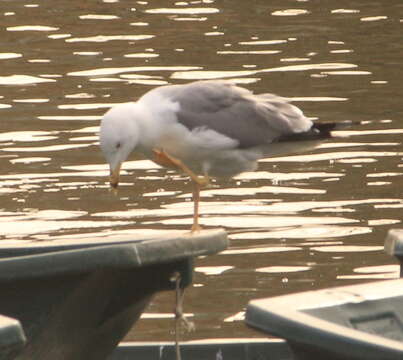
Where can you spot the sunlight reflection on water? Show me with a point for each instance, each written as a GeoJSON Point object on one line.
{"type": "Point", "coordinates": [320, 217]}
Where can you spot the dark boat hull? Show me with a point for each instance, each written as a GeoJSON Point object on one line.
{"type": "Point", "coordinates": [76, 300]}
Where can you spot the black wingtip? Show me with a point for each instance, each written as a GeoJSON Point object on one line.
{"type": "Point", "coordinates": [325, 128]}
{"type": "Point", "coordinates": [319, 131]}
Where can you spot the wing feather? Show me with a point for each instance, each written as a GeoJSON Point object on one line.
{"type": "Point", "coordinates": [252, 120]}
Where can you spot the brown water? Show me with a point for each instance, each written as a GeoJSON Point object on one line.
{"type": "Point", "coordinates": [299, 223]}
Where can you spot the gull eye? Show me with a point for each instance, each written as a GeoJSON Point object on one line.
{"type": "Point", "coordinates": [118, 145]}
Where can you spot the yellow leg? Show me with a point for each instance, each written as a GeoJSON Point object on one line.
{"type": "Point", "coordinates": [196, 199]}
{"type": "Point", "coordinates": [164, 159]}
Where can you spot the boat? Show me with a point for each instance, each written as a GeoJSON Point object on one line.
{"type": "Point", "coordinates": [90, 294]}
{"type": "Point", "coordinates": [356, 322]}
{"type": "Point", "coordinates": [12, 337]}
{"type": "Point", "coordinates": [76, 299]}
{"type": "Point", "coordinates": [206, 349]}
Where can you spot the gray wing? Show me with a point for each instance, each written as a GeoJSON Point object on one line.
{"type": "Point", "coordinates": [250, 119]}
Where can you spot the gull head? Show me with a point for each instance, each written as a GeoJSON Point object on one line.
{"type": "Point", "coordinates": [118, 138]}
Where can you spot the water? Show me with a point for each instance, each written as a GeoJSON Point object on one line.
{"type": "Point", "coordinates": [299, 223]}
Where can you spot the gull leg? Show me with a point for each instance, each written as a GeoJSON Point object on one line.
{"type": "Point", "coordinates": [164, 159]}
{"type": "Point", "coordinates": [203, 181]}
{"type": "Point", "coordinates": [196, 199]}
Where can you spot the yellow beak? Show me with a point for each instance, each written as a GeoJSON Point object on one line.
{"type": "Point", "coordinates": [114, 176]}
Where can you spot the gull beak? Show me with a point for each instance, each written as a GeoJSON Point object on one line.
{"type": "Point", "coordinates": [114, 176]}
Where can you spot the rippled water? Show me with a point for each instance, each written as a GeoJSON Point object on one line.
{"type": "Point", "coordinates": [301, 222]}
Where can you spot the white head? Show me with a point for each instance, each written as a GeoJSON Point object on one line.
{"type": "Point", "coordinates": [119, 136]}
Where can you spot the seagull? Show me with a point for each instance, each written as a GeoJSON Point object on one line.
{"type": "Point", "coordinates": [206, 129]}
